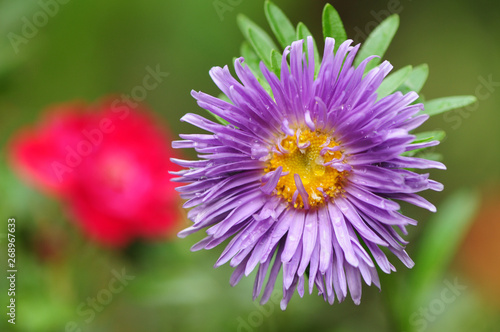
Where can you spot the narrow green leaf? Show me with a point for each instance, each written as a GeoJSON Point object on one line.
{"type": "Point", "coordinates": [333, 26]}
{"type": "Point", "coordinates": [427, 136]}
{"type": "Point", "coordinates": [425, 154]}
{"type": "Point", "coordinates": [393, 81]}
{"type": "Point", "coordinates": [244, 23]}
{"type": "Point", "coordinates": [302, 33]}
{"type": "Point", "coordinates": [276, 62]}
{"type": "Point", "coordinates": [251, 59]}
{"type": "Point", "coordinates": [378, 41]}
{"type": "Point", "coordinates": [260, 46]}
{"type": "Point", "coordinates": [280, 24]}
{"type": "Point", "coordinates": [441, 105]}
{"type": "Point", "coordinates": [257, 37]}
{"type": "Point", "coordinates": [424, 137]}
{"type": "Point", "coordinates": [417, 79]}
{"type": "Point", "coordinates": [439, 243]}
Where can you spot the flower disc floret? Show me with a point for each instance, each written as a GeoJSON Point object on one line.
{"type": "Point", "coordinates": [308, 180]}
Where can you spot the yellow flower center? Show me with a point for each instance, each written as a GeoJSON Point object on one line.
{"type": "Point", "coordinates": [306, 154]}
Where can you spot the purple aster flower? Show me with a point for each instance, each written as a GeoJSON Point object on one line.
{"type": "Point", "coordinates": [303, 176]}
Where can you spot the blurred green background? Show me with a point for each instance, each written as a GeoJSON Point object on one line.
{"type": "Point", "coordinates": [90, 49]}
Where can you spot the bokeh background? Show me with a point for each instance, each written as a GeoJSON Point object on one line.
{"type": "Point", "coordinates": [91, 49]}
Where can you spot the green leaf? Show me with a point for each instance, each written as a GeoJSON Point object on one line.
{"type": "Point", "coordinates": [333, 26]}
{"type": "Point", "coordinates": [244, 23]}
{"type": "Point", "coordinates": [302, 33]}
{"type": "Point", "coordinates": [393, 81]}
{"type": "Point", "coordinates": [280, 24]}
{"type": "Point", "coordinates": [378, 41]}
{"type": "Point", "coordinates": [435, 156]}
{"type": "Point", "coordinates": [427, 136]}
{"type": "Point", "coordinates": [251, 59]}
{"type": "Point", "coordinates": [416, 80]}
{"type": "Point", "coordinates": [260, 46]}
{"type": "Point", "coordinates": [441, 105]}
{"type": "Point", "coordinates": [276, 62]}
{"type": "Point", "coordinates": [439, 243]}
{"type": "Point", "coordinates": [424, 153]}
{"type": "Point", "coordinates": [424, 137]}
{"type": "Point", "coordinates": [258, 38]}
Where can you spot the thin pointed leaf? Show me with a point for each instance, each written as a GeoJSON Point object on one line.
{"type": "Point", "coordinates": [417, 79]}
{"type": "Point", "coordinates": [276, 62]}
{"type": "Point", "coordinates": [378, 41]}
{"type": "Point", "coordinates": [393, 81]}
{"type": "Point", "coordinates": [302, 33]}
{"type": "Point", "coordinates": [427, 136]}
{"type": "Point", "coordinates": [441, 105]}
{"type": "Point", "coordinates": [251, 59]}
{"type": "Point", "coordinates": [333, 26]}
{"type": "Point", "coordinates": [439, 243]}
{"type": "Point", "coordinates": [244, 23]}
{"type": "Point", "coordinates": [280, 24]}
{"type": "Point", "coordinates": [424, 137]}
{"type": "Point", "coordinates": [435, 156]}
{"type": "Point", "coordinates": [258, 38]}
{"type": "Point", "coordinates": [261, 47]}
{"type": "Point", "coordinates": [424, 153]}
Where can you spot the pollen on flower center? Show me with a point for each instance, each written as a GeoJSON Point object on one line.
{"type": "Point", "coordinates": [306, 159]}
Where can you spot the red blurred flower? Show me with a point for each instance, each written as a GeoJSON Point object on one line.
{"type": "Point", "coordinates": [110, 166]}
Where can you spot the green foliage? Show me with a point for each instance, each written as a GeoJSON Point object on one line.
{"type": "Point", "coordinates": [276, 62]}
{"type": "Point", "coordinates": [333, 26]}
{"type": "Point", "coordinates": [429, 155]}
{"type": "Point", "coordinates": [260, 40]}
{"type": "Point", "coordinates": [302, 33]}
{"type": "Point", "coordinates": [280, 24]}
{"type": "Point", "coordinates": [378, 42]}
{"type": "Point", "coordinates": [416, 80]}
{"type": "Point", "coordinates": [260, 47]}
{"type": "Point", "coordinates": [441, 105]}
{"type": "Point", "coordinates": [427, 136]}
{"type": "Point", "coordinates": [424, 137]}
{"type": "Point", "coordinates": [251, 59]}
{"type": "Point", "coordinates": [284, 32]}
{"type": "Point", "coordinates": [393, 81]}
